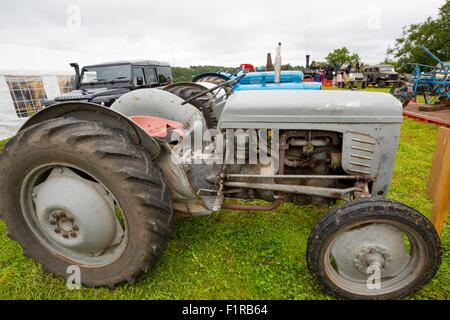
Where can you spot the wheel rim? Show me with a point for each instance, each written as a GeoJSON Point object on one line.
{"type": "Point", "coordinates": [351, 252]}
{"type": "Point", "coordinates": [430, 97]}
{"type": "Point", "coordinates": [73, 214]}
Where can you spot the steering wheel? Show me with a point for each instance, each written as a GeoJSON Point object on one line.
{"type": "Point", "coordinates": [230, 82]}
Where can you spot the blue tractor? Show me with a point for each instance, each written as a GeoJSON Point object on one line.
{"type": "Point", "coordinates": [264, 80]}
{"type": "Point", "coordinates": [289, 80]}
{"type": "Point", "coordinates": [209, 89]}
{"type": "Point", "coordinates": [259, 80]}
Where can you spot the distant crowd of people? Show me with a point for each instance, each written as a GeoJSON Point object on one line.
{"type": "Point", "coordinates": [335, 74]}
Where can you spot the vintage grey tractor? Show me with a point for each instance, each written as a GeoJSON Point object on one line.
{"type": "Point", "coordinates": [98, 187]}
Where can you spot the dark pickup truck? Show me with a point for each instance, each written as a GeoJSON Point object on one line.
{"type": "Point", "coordinates": [104, 83]}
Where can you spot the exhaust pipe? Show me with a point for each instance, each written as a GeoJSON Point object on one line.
{"type": "Point", "coordinates": [278, 64]}
{"type": "Point", "coordinates": [76, 82]}
{"type": "Point", "coordinates": [269, 64]}
{"type": "Point", "coordinates": [307, 61]}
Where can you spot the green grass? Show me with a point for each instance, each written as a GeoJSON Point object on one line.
{"type": "Point", "coordinates": [239, 254]}
{"type": "Point", "coordinates": [366, 89]}
{"type": "Point", "coordinates": [2, 143]}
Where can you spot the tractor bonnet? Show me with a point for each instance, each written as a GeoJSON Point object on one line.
{"type": "Point", "coordinates": [286, 108]}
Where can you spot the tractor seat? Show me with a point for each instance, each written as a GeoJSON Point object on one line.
{"type": "Point", "coordinates": [158, 127]}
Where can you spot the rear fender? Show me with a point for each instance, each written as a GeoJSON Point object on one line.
{"type": "Point", "coordinates": [95, 112]}
{"type": "Point", "coordinates": [210, 74]}
{"type": "Point", "coordinates": [186, 200]}
{"type": "Point", "coordinates": [185, 84]}
{"type": "Point", "coordinates": [161, 104]}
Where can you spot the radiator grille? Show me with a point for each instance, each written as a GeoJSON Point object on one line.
{"type": "Point", "coordinates": [361, 155]}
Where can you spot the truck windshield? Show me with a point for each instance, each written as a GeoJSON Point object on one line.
{"type": "Point", "coordinates": [106, 73]}
{"type": "Point", "coordinates": [387, 69]}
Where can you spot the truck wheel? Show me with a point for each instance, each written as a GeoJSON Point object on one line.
{"type": "Point", "coordinates": [373, 249]}
{"type": "Point", "coordinates": [349, 85]}
{"type": "Point", "coordinates": [202, 103]}
{"type": "Point", "coordinates": [364, 85]}
{"type": "Point", "coordinates": [381, 84]}
{"type": "Point", "coordinates": [77, 193]}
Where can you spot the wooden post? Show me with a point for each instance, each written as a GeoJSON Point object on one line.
{"type": "Point", "coordinates": [439, 181]}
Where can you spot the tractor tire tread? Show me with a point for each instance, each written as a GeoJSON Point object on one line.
{"type": "Point", "coordinates": [130, 165]}
{"type": "Point", "coordinates": [341, 215]}
{"type": "Point", "coordinates": [201, 103]}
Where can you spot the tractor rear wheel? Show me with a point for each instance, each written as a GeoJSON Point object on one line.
{"type": "Point", "coordinates": [212, 79]}
{"type": "Point", "coordinates": [84, 195]}
{"type": "Point", "coordinates": [216, 81]}
{"type": "Point", "coordinates": [373, 249]}
{"type": "Point", "coordinates": [202, 103]}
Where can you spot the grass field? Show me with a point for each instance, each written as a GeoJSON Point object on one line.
{"type": "Point", "coordinates": [240, 254]}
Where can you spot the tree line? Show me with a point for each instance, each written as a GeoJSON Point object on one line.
{"type": "Point", "coordinates": [186, 74]}
{"type": "Point", "coordinates": [434, 34]}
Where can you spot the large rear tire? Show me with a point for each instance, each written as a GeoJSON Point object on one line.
{"type": "Point", "coordinates": [215, 80]}
{"type": "Point", "coordinates": [370, 233]}
{"type": "Point", "coordinates": [212, 79]}
{"type": "Point", "coordinates": [202, 103]}
{"type": "Point", "coordinates": [83, 194]}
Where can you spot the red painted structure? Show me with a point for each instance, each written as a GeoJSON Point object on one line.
{"type": "Point", "coordinates": [426, 119]}
{"type": "Point", "coordinates": [248, 66]}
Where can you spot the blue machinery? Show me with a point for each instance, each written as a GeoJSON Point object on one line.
{"type": "Point", "coordinates": [432, 82]}
{"type": "Point", "coordinates": [289, 80]}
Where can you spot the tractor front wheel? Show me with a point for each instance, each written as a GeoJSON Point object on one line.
{"type": "Point", "coordinates": [77, 193]}
{"type": "Point", "coordinates": [373, 249]}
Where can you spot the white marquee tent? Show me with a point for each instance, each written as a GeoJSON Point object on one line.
{"type": "Point", "coordinates": [24, 68]}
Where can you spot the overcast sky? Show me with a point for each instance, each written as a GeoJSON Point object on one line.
{"type": "Point", "coordinates": [47, 35]}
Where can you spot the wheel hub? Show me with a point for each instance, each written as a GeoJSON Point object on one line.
{"type": "Point", "coordinates": [357, 249]}
{"type": "Point", "coordinates": [372, 255]}
{"type": "Point", "coordinates": [76, 213]}
{"type": "Point", "coordinates": [64, 224]}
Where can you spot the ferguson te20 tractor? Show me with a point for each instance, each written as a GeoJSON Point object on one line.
{"type": "Point", "coordinates": [97, 187]}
